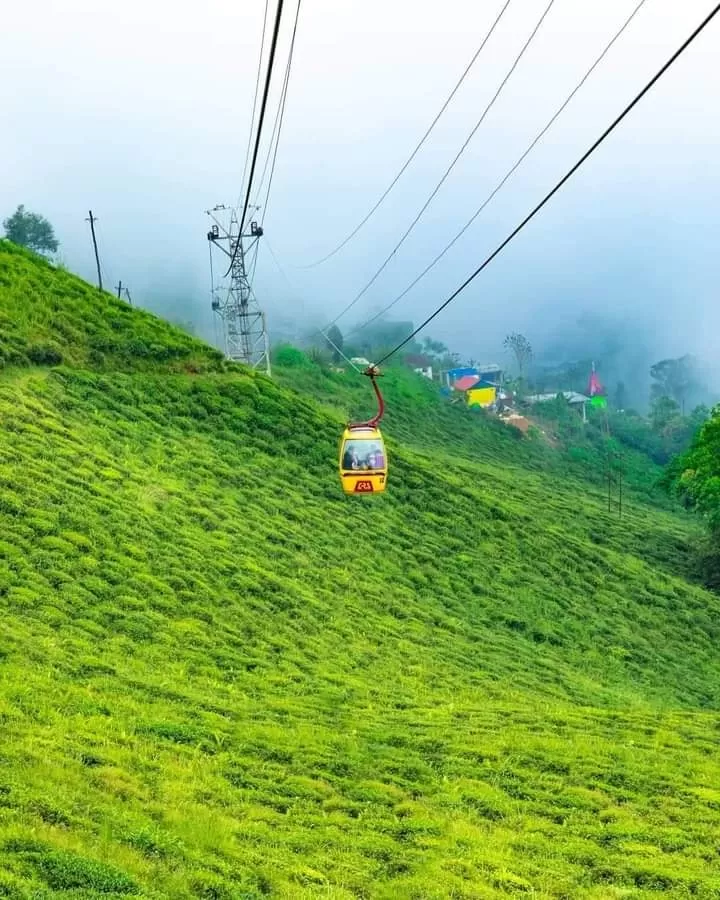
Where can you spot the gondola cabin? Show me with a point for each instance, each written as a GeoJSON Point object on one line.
{"type": "Point", "coordinates": [363, 462]}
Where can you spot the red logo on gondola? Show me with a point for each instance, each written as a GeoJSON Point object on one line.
{"type": "Point", "coordinates": [363, 487]}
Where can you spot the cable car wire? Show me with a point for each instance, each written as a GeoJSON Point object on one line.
{"type": "Point", "coordinates": [257, 91]}
{"type": "Point", "coordinates": [322, 334]}
{"type": "Point", "coordinates": [559, 184]}
{"type": "Point", "coordinates": [279, 118]}
{"type": "Point", "coordinates": [450, 167]}
{"type": "Point", "coordinates": [509, 173]}
{"type": "Point", "coordinates": [277, 128]}
{"type": "Point", "coordinates": [418, 145]}
{"type": "Point", "coordinates": [263, 106]}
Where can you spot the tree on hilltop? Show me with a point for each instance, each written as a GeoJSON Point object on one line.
{"type": "Point", "coordinates": [31, 230]}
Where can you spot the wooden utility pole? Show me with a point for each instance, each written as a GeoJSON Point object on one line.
{"type": "Point", "coordinates": [118, 288]}
{"type": "Point", "coordinates": [92, 220]}
{"type": "Point", "coordinates": [129, 298]}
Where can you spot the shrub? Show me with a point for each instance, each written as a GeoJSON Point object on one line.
{"type": "Point", "coordinates": [45, 354]}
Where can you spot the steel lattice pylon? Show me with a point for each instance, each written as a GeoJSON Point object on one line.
{"type": "Point", "coordinates": [244, 335]}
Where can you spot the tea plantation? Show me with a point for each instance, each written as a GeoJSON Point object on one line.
{"type": "Point", "coordinates": [219, 678]}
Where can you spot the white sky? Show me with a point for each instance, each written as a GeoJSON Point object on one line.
{"type": "Point", "coordinates": [141, 110]}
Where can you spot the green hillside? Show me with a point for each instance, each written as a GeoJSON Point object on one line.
{"type": "Point", "coordinates": [220, 678]}
{"type": "Point", "coordinates": [49, 316]}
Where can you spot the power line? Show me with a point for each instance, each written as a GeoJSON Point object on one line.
{"type": "Point", "coordinates": [557, 187]}
{"type": "Point", "coordinates": [281, 113]}
{"type": "Point", "coordinates": [257, 91]}
{"type": "Point", "coordinates": [263, 106]}
{"type": "Point", "coordinates": [450, 167]}
{"type": "Point", "coordinates": [418, 145]}
{"type": "Point", "coordinates": [508, 174]}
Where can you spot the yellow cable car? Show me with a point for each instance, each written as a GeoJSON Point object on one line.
{"type": "Point", "coordinates": [363, 461]}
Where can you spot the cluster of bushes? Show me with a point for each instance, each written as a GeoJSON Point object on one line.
{"type": "Point", "coordinates": [694, 476]}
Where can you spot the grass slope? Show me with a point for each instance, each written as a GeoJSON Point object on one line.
{"type": "Point", "coordinates": [219, 678]}
{"type": "Point", "coordinates": [49, 316]}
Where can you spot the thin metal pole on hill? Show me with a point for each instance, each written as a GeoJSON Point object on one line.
{"type": "Point", "coordinates": [92, 220]}
{"type": "Point", "coordinates": [119, 288]}
{"type": "Point", "coordinates": [129, 298]}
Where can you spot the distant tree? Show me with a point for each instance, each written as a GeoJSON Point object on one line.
{"type": "Point", "coordinates": [381, 336]}
{"type": "Point", "coordinates": [674, 378]}
{"type": "Point", "coordinates": [663, 411]}
{"type": "Point", "coordinates": [521, 349]}
{"type": "Point", "coordinates": [29, 229]}
{"type": "Point", "coordinates": [620, 395]}
{"type": "Point", "coordinates": [434, 348]}
{"type": "Point", "coordinates": [695, 476]}
{"type": "Point", "coordinates": [335, 342]}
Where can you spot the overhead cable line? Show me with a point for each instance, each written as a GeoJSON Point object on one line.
{"type": "Point", "coordinates": [302, 302]}
{"type": "Point", "coordinates": [450, 167]}
{"type": "Point", "coordinates": [277, 127]}
{"type": "Point", "coordinates": [557, 187]}
{"type": "Point", "coordinates": [257, 91]}
{"type": "Point", "coordinates": [508, 174]}
{"type": "Point", "coordinates": [261, 119]}
{"type": "Point", "coordinates": [418, 145]}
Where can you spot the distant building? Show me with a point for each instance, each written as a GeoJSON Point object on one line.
{"type": "Point", "coordinates": [482, 393]}
{"type": "Point", "coordinates": [478, 391]}
{"type": "Point", "coordinates": [572, 397]}
{"type": "Point", "coordinates": [490, 372]}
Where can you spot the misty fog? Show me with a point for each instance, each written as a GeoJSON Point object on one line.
{"type": "Point", "coordinates": [141, 111]}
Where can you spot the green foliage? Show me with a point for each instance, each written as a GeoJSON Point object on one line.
{"type": "Point", "coordinates": [49, 316]}
{"type": "Point", "coordinates": [31, 230]}
{"type": "Point", "coordinates": [377, 338]}
{"type": "Point", "coordinates": [335, 342]}
{"type": "Point", "coordinates": [696, 474]}
{"type": "Point", "coordinates": [663, 411]}
{"type": "Point", "coordinates": [675, 379]}
{"type": "Point", "coordinates": [290, 357]}
{"type": "Point", "coordinates": [221, 678]}
{"type": "Point", "coordinates": [695, 478]}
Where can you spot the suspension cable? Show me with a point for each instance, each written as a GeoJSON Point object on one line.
{"type": "Point", "coordinates": [319, 331]}
{"type": "Point", "coordinates": [447, 172]}
{"type": "Point", "coordinates": [279, 119]}
{"type": "Point", "coordinates": [418, 145]}
{"type": "Point", "coordinates": [508, 174]}
{"type": "Point", "coordinates": [254, 107]}
{"type": "Point", "coordinates": [263, 106]}
{"type": "Point", "coordinates": [560, 183]}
